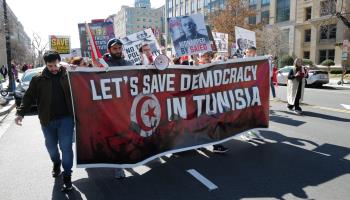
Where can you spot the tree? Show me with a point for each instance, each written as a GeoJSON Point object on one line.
{"type": "Point", "coordinates": [38, 46]}
{"type": "Point", "coordinates": [271, 41]}
{"type": "Point", "coordinates": [234, 14]}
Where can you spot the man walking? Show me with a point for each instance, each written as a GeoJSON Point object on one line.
{"type": "Point", "coordinates": [50, 90]}
{"type": "Point", "coordinates": [115, 58]}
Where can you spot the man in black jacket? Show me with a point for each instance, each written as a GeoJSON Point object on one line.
{"type": "Point", "coordinates": [115, 57]}
{"type": "Point", "coordinates": [51, 91]}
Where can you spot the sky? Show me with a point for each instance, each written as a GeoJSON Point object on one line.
{"type": "Point", "coordinates": [61, 17]}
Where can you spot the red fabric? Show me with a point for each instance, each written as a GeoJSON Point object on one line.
{"type": "Point", "coordinates": [274, 75]}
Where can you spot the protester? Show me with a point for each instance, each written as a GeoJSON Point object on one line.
{"type": "Point", "coordinates": [272, 66]}
{"type": "Point", "coordinates": [79, 61]}
{"type": "Point", "coordinates": [50, 89]}
{"type": "Point", "coordinates": [3, 71]}
{"type": "Point", "coordinates": [114, 58]}
{"type": "Point", "coordinates": [296, 85]}
{"type": "Point", "coordinates": [206, 58]}
{"type": "Point", "coordinates": [250, 52]}
{"type": "Point", "coordinates": [146, 55]}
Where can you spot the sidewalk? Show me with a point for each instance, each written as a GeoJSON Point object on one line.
{"type": "Point", "coordinates": [334, 83]}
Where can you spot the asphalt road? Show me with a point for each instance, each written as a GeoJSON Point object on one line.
{"type": "Point", "coordinates": [298, 157]}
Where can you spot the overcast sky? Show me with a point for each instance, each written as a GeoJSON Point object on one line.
{"type": "Point", "coordinates": [61, 17]}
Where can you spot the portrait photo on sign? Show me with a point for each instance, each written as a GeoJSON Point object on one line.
{"type": "Point", "coordinates": [244, 39]}
{"type": "Point", "coordinates": [189, 35]}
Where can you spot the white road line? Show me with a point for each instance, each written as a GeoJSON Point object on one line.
{"type": "Point", "coordinates": [346, 106]}
{"type": "Point", "coordinates": [202, 179]}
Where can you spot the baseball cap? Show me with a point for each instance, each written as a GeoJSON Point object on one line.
{"type": "Point", "coordinates": [113, 42]}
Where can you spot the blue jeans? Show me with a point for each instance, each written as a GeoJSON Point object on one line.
{"type": "Point", "coordinates": [60, 131]}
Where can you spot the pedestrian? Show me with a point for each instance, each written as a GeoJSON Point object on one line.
{"type": "Point", "coordinates": [79, 61]}
{"type": "Point", "coordinates": [296, 85]}
{"type": "Point", "coordinates": [272, 66]}
{"type": "Point", "coordinates": [3, 71]}
{"type": "Point", "coordinates": [146, 55]}
{"type": "Point", "coordinates": [207, 58]}
{"type": "Point", "coordinates": [114, 58]}
{"type": "Point", "coordinates": [50, 89]}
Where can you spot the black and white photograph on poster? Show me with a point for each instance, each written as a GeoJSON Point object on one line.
{"type": "Point", "coordinates": [244, 39]}
{"type": "Point", "coordinates": [189, 34]}
{"type": "Point", "coordinates": [221, 41]}
{"type": "Point", "coordinates": [133, 42]}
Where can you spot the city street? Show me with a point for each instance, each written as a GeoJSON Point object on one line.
{"type": "Point", "coordinates": [298, 157]}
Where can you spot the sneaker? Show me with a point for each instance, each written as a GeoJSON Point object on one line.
{"type": "Point", "coordinates": [56, 169]}
{"type": "Point", "coordinates": [290, 108]}
{"type": "Point", "coordinates": [219, 149]}
{"type": "Point", "coordinates": [67, 184]}
{"type": "Point", "coordinates": [298, 112]}
{"type": "Point", "coordinates": [119, 173]}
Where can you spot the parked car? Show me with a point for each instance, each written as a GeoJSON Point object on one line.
{"type": "Point", "coordinates": [24, 84]}
{"type": "Point", "coordinates": [316, 77]}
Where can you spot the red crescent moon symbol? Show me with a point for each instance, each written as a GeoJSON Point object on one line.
{"type": "Point", "coordinates": [138, 114]}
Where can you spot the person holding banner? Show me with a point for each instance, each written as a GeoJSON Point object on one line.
{"type": "Point", "coordinates": [206, 58]}
{"type": "Point", "coordinates": [295, 86]}
{"type": "Point", "coordinates": [50, 89]}
{"type": "Point", "coordinates": [115, 57]}
{"type": "Point", "coordinates": [146, 54]}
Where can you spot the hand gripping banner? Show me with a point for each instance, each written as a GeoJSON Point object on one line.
{"type": "Point", "coordinates": [130, 115]}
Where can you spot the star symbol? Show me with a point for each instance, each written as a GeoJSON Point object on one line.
{"type": "Point", "coordinates": [150, 112]}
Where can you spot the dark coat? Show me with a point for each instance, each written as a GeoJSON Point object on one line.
{"type": "Point", "coordinates": [40, 91]}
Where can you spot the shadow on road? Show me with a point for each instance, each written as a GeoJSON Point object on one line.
{"type": "Point", "coordinates": [317, 115]}
{"type": "Point", "coordinates": [276, 166]}
{"type": "Point", "coordinates": [284, 119]}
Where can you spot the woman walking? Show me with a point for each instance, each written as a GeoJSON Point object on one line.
{"type": "Point", "coordinates": [296, 85]}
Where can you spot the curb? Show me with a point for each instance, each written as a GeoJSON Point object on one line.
{"type": "Point", "coordinates": [6, 109]}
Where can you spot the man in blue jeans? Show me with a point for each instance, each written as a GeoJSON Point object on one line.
{"type": "Point", "coordinates": [50, 90]}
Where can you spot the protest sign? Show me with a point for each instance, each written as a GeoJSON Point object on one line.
{"type": "Point", "coordinates": [61, 44]}
{"type": "Point", "coordinates": [221, 41]}
{"type": "Point", "coordinates": [102, 32]}
{"type": "Point", "coordinates": [130, 115]}
{"type": "Point", "coordinates": [133, 42]}
{"type": "Point", "coordinates": [189, 35]}
{"type": "Point", "coordinates": [244, 39]}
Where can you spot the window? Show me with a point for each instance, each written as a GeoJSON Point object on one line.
{"type": "Point", "coordinates": [252, 4]}
{"type": "Point", "coordinates": [199, 4]}
{"type": "Point", "coordinates": [193, 5]}
{"type": "Point", "coordinates": [306, 54]}
{"type": "Point", "coordinates": [328, 32]}
{"type": "Point", "coordinates": [265, 2]}
{"type": "Point", "coordinates": [307, 13]}
{"type": "Point", "coordinates": [282, 10]}
{"type": "Point", "coordinates": [265, 17]}
{"type": "Point", "coordinates": [170, 3]}
{"type": "Point", "coordinates": [328, 7]}
{"type": "Point", "coordinates": [307, 35]}
{"type": "Point", "coordinates": [186, 8]}
{"type": "Point", "coordinates": [326, 54]}
{"type": "Point", "coordinates": [252, 20]}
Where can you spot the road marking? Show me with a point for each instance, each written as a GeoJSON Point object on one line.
{"type": "Point", "coordinates": [202, 179]}
{"type": "Point", "coordinates": [346, 106]}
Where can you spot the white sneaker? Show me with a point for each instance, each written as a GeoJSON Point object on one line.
{"type": "Point", "coordinates": [119, 173]}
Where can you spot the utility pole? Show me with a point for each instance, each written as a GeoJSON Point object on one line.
{"type": "Point", "coordinates": [8, 47]}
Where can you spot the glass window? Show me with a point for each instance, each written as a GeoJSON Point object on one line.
{"type": "Point", "coordinates": [307, 54]}
{"type": "Point", "coordinates": [326, 54]}
{"type": "Point", "coordinates": [252, 20]}
{"type": "Point", "coordinates": [328, 7]}
{"type": "Point", "coordinates": [193, 5]}
{"type": "Point", "coordinates": [186, 8]}
{"type": "Point", "coordinates": [282, 10]}
{"type": "Point", "coordinates": [265, 17]}
{"type": "Point", "coordinates": [252, 4]}
{"type": "Point", "coordinates": [307, 13]}
{"type": "Point", "coordinates": [265, 2]}
{"type": "Point", "coordinates": [170, 3]}
{"type": "Point", "coordinates": [307, 35]}
{"type": "Point", "coordinates": [328, 32]}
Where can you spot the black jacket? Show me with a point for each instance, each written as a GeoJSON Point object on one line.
{"type": "Point", "coordinates": [40, 90]}
{"type": "Point", "coordinates": [111, 61]}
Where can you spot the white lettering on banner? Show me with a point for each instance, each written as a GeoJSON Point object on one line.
{"type": "Point", "coordinates": [158, 83]}
{"type": "Point", "coordinates": [225, 101]}
{"type": "Point", "coordinates": [116, 82]}
{"type": "Point", "coordinates": [94, 93]}
{"type": "Point", "coordinates": [105, 89]}
{"type": "Point", "coordinates": [213, 78]}
{"type": "Point", "coordinates": [133, 86]}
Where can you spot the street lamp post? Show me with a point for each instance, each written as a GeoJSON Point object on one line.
{"type": "Point", "coordinates": [8, 47]}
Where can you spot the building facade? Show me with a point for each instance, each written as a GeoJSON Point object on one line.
{"type": "Point", "coordinates": [20, 41]}
{"type": "Point", "coordinates": [130, 20]}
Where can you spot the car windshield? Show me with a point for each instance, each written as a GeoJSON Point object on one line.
{"type": "Point", "coordinates": [27, 77]}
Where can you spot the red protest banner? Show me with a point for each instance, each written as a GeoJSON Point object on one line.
{"type": "Point", "coordinates": [130, 115]}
